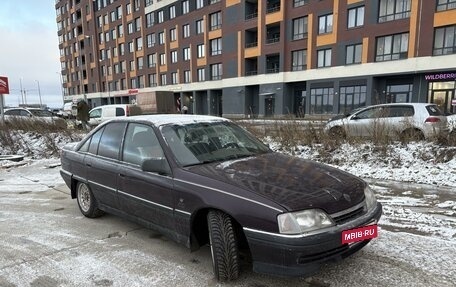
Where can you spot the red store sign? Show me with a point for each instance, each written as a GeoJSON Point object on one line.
{"type": "Point", "coordinates": [4, 88]}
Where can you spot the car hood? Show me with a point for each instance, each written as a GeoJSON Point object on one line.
{"type": "Point", "coordinates": [292, 182]}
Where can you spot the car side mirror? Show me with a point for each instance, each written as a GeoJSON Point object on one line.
{"type": "Point", "coordinates": [158, 165]}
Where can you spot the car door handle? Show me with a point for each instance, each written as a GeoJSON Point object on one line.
{"type": "Point", "coordinates": [121, 175]}
{"type": "Point", "coordinates": [89, 164]}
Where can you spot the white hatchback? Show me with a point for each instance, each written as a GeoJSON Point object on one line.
{"type": "Point", "coordinates": [420, 120]}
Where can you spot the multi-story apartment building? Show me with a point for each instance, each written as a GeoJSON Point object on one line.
{"type": "Point", "coordinates": [260, 58]}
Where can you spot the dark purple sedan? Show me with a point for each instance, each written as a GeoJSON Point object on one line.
{"type": "Point", "coordinates": [204, 180]}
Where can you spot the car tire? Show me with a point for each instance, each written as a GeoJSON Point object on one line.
{"type": "Point", "coordinates": [412, 135]}
{"type": "Point", "coordinates": [86, 201]}
{"type": "Point", "coordinates": [337, 132]}
{"type": "Point", "coordinates": [224, 246]}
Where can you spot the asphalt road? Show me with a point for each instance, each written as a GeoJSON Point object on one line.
{"type": "Point", "coordinates": [45, 241]}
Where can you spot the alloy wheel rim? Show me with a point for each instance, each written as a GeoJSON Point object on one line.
{"type": "Point", "coordinates": [84, 198]}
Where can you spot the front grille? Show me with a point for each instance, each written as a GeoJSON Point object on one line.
{"type": "Point", "coordinates": [350, 215]}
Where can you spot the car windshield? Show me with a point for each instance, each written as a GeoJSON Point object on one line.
{"type": "Point", "coordinates": [41, 113]}
{"type": "Point", "coordinates": [200, 143]}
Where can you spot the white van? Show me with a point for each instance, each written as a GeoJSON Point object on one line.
{"type": "Point", "coordinates": [100, 114]}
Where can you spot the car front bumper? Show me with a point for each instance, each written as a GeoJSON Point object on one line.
{"type": "Point", "coordinates": [282, 255]}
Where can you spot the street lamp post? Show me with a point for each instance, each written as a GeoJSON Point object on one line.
{"type": "Point", "coordinates": [39, 93]}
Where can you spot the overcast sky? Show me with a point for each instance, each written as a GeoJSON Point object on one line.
{"type": "Point", "coordinates": [29, 51]}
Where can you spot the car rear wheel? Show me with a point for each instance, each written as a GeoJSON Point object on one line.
{"type": "Point", "coordinates": [337, 132]}
{"type": "Point", "coordinates": [412, 135]}
{"type": "Point", "coordinates": [87, 202]}
{"type": "Point", "coordinates": [224, 246]}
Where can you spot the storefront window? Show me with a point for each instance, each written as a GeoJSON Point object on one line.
{"type": "Point", "coordinates": [321, 101]}
{"type": "Point", "coordinates": [441, 94]}
{"type": "Point", "coordinates": [399, 93]}
{"type": "Point", "coordinates": [352, 97]}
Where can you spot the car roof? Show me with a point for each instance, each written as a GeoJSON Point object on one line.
{"type": "Point", "coordinates": [402, 104]}
{"type": "Point", "coordinates": [178, 119]}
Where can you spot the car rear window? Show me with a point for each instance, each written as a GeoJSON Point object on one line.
{"type": "Point", "coordinates": [433, 110]}
{"type": "Point", "coordinates": [120, 112]}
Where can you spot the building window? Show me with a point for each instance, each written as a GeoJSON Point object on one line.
{"type": "Point", "coordinates": [352, 97]}
{"type": "Point", "coordinates": [173, 56]}
{"type": "Point", "coordinates": [216, 20]}
{"type": "Point", "coordinates": [200, 26]}
{"type": "Point", "coordinates": [325, 24]}
{"type": "Point", "coordinates": [392, 47]}
{"type": "Point", "coordinates": [321, 101]}
{"type": "Point", "coordinates": [152, 60]}
{"type": "Point", "coordinates": [148, 3]}
{"type": "Point", "coordinates": [393, 10]}
{"type": "Point", "coordinates": [186, 53]}
{"type": "Point", "coordinates": [214, 1]}
{"type": "Point", "coordinates": [298, 60]}
{"type": "Point", "coordinates": [120, 30]}
{"type": "Point", "coordinates": [130, 28]}
{"type": "Point", "coordinates": [199, 4]}
{"type": "Point", "coordinates": [187, 76]}
{"type": "Point", "coordinates": [299, 28]}
{"type": "Point", "coordinates": [186, 30]}
{"type": "Point", "coordinates": [353, 54]}
{"type": "Point", "coordinates": [324, 58]}
{"type": "Point", "coordinates": [150, 19]}
{"type": "Point", "coordinates": [399, 93]}
{"type": "Point", "coordinates": [443, 5]}
{"type": "Point", "coordinates": [172, 12]}
{"type": "Point", "coordinates": [216, 71]}
{"type": "Point", "coordinates": [131, 47]}
{"type": "Point", "coordinates": [153, 80]}
{"type": "Point", "coordinates": [128, 8]}
{"type": "Point", "coordinates": [200, 51]}
{"type": "Point", "coordinates": [172, 35]}
{"type": "Point", "coordinates": [355, 17]}
{"type": "Point", "coordinates": [161, 38]}
{"type": "Point", "coordinates": [132, 66]}
{"type": "Point", "coordinates": [162, 59]}
{"type": "Point", "coordinates": [140, 61]}
{"type": "Point", "coordinates": [201, 75]}
{"type": "Point", "coordinates": [138, 24]}
{"type": "Point", "coordinates": [216, 46]}
{"type": "Point", "coordinates": [161, 16]}
{"type": "Point", "coordinates": [133, 83]}
{"type": "Point", "coordinates": [174, 78]}
{"type": "Point", "coordinates": [163, 79]}
{"type": "Point", "coordinates": [122, 49]}
{"type": "Point", "coordinates": [298, 3]}
{"type": "Point", "coordinates": [445, 41]}
{"type": "Point", "coordinates": [150, 40]}
{"type": "Point", "coordinates": [139, 44]}
{"type": "Point", "coordinates": [185, 6]}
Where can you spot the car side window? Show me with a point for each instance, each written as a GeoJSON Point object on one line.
{"type": "Point", "coordinates": [94, 141]}
{"type": "Point", "coordinates": [141, 143]}
{"type": "Point", "coordinates": [95, 114]}
{"type": "Point", "coordinates": [367, 114]}
{"type": "Point", "coordinates": [401, 111]}
{"type": "Point", "coordinates": [25, 114]}
{"type": "Point", "coordinates": [120, 112]}
{"type": "Point", "coordinates": [111, 140]}
{"type": "Point", "coordinates": [12, 113]}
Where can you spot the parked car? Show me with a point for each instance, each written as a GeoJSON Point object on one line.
{"type": "Point", "coordinates": [416, 120]}
{"type": "Point", "coordinates": [32, 115]}
{"type": "Point", "coordinates": [204, 180]}
{"type": "Point", "coordinates": [103, 113]}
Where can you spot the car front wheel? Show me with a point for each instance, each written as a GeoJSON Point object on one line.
{"type": "Point", "coordinates": [224, 246]}
{"type": "Point", "coordinates": [87, 202]}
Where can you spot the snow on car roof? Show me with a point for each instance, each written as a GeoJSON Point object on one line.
{"type": "Point", "coordinates": [178, 119]}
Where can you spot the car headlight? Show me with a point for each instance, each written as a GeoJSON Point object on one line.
{"type": "Point", "coordinates": [371, 201]}
{"type": "Point", "coordinates": [303, 221]}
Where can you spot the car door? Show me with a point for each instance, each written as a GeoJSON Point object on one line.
{"type": "Point", "coordinates": [367, 123]}
{"type": "Point", "coordinates": [102, 162]}
{"type": "Point", "coordinates": [95, 117]}
{"type": "Point", "coordinates": [146, 195]}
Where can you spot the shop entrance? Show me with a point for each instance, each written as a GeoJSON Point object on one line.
{"type": "Point", "coordinates": [441, 94]}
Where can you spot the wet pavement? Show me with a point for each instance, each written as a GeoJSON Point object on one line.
{"type": "Point", "coordinates": [47, 242]}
